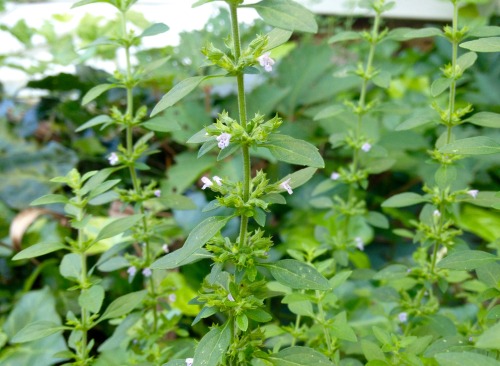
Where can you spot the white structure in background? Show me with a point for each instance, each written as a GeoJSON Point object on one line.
{"type": "Point", "coordinates": [179, 16]}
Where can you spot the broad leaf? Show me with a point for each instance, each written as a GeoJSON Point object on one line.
{"type": "Point", "coordinates": [91, 299]}
{"type": "Point", "coordinates": [329, 112]}
{"type": "Point", "coordinates": [464, 358]}
{"type": "Point", "coordinates": [299, 177]}
{"type": "Point", "coordinates": [202, 233]}
{"type": "Point", "coordinates": [404, 199]}
{"type": "Point", "coordinates": [123, 305]}
{"type": "Point", "coordinates": [299, 356]}
{"type": "Point", "coordinates": [294, 151]}
{"type": "Point", "coordinates": [490, 338]}
{"type": "Point", "coordinates": [277, 37]}
{"type": "Point", "coordinates": [161, 124]}
{"type": "Point", "coordinates": [38, 250]}
{"type": "Point", "coordinates": [37, 330]}
{"type": "Point", "coordinates": [439, 86]}
{"type": "Point", "coordinates": [485, 119]}
{"type": "Point", "coordinates": [491, 44]}
{"type": "Point", "coordinates": [118, 226]}
{"type": "Point", "coordinates": [96, 121]}
{"type": "Point", "coordinates": [480, 145]}
{"type": "Point", "coordinates": [154, 29]}
{"type": "Point", "coordinates": [297, 275]}
{"type": "Point", "coordinates": [286, 14]}
{"type": "Point", "coordinates": [213, 346]}
{"type": "Point", "coordinates": [345, 36]}
{"type": "Point", "coordinates": [96, 91]}
{"type": "Point", "coordinates": [466, 260]}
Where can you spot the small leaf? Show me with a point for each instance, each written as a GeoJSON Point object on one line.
{"type": "Point", "coordinates": [491, 44]}
{"type": "Point", "coordinates": [329, 112]}
{"type": "Point", "coordinates": [299, 356]}
{"type": "Point", "coordinates": [466, 260]}
{"type": "Point", "coordinates": [49, 199]}
{"type": "Point", "coordinates": [96, 91]}
{"type": "Point", "coordinates": [466, 60]}
{"type": "Point", "coordinates": [38, 250]}
{"type": "Point", "coordinates": [439, 86]}
{"type": "Point", "coordinates": [294, 151]}
{"type": "Point", "coordinates": [118, 226]}
{"type": "Point", "coordinates": [213, 346]}
{"type": "Point", "coordinates": [242, 322]}
{"type": "Point", "coordinates": [37, 330]}
{"type": "Point", "coordinates": [490, 339]}
{"type": "Point", "coordinates": [377, 219]}
{"type": "Point", "coordinates": [154, 29]}
{"type": "Point", "coordinates": [464, 358]}
{"type": "Point", "coordinates": [485, 119]}
{"type": "Point", "coordinates": [299, 177]}
{"type": "Point", "coordinates": [161, 124]}
{"type": "Point", "coordinates": [297, 275]}
{"type": "Point", "coordinates": [259, 315]}
{"type": "Point", "coordinates": [480, 145]}
{"type": "Point", "coordinates": [202, 233]}
{"type": "Point", "coordinates": [382, 79]}
{"type": "Point", "coordinates": [71, 267]}
{"type": "Point", "coordinates": [485, 31]}
{"type": "Point", "coordinates": [422, 33]}
{"type": "Point", "coordinates": [96, 121]}
{"type": "Point", "coordinates": [421, 118]}
{"type": "Point", "coordinates": [345, 36]}
{"type": "Point", "coordinates": [286, 14]}
{"type": "Point", "coordinates": [404, 199]}
{"type": "Point", "coordinates": [179, 91]}
{"type": "Point", "coordinates": [177, 202]}
{"type": "Point", "coordinates": [91, 299]}
{"type": "Point", "coordinates": [123, 305]}
{"type": "Point", "coordinates": [277, 37]}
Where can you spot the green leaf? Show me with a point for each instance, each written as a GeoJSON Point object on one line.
{"type": "Point", "coordinates": [485, 119]}
{"type": "Point", "coordinates": [299, 177]}
{"type": "Point", "coordinates": [490, 339]}
{"type": "Point", "coordinates": [341, 329]}
{"type": "Point", "coordinates": [299, 356]}
{"type": "Point", "coordinates": [177, 202]}
{"type": "Point", "coordinates": [277, 37]}
{"type": "Point", "coordinates": [38, 250]}
{"type": "Point", "coordinates": [464, 358]}
{"type": "Point", "coordinates": [445, 176]}
{"type": "Point", "coordinates": [491, 44]}
{"type": "Point", "coordinates": [96, 121]}
{"type": "Point", "coordinates": [339, 279]}
{"type": "Point", "coordinates": [382, 79]}
{"type": "Point", "coordinates": [118, 226]}
{"type": "Point", "coordinates": [421, 118]}
{"type": "Point", "coordinates": [49, 199]}
{"type": "Point", "coordinates": [480, 145]}
{"type": "Point", "coordinates": [286, 14]}
{"type": "Point", "coordinates": [466, 260]}
{"type": "Point", "coordinates": [466, 60]}
{"type": "Point", "coordinates": [161, 124]}
{"type": "Point", "coordinates": [345, 36]}
{"type": "Point", "coordinates": [421, 33]}
{"type": "Point", "coordinates": [123, 305]}
{"type": "Point", "coordinates": [213, 346]}
{"type": "Point", "coordinates": [297, 275]}
{"type": "Point", "coordinates": [294, 151]}
{"type": "Point", "coordinates": [439, 86]}
{"type": "Point", "coordinates": [329, 112]}
{"type": "Point", "coordinates": [91, 299]}
{"type": "Point", "coordinates": [404, 199]}
{"type": "Point", "coordinates": [485, 31]}
{"type": "Point", "coordinates": [71, 266]}
{"type": "Point", "coordinates": [377, 219]}
{"type": "Point", "coordinates": [37, 330]}
{"type": "Point", "coordinates": [96, 91]}
{"type": "Point", "coordinates": [154, 29]}
{"type": "Point", "coordinates": [202, 233]}
{"type": "Point", "coordinates": [372, 351]}
{"type": "Point", "coordinates": [242, 322]}
{"type": "Point", "coordinates": [179, 91]}
{"type": "Point", "coordinates": [259, 315]}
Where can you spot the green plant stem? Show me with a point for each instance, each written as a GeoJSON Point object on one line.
{"type": "Point", "coordinates": [453, 86]}
{"type": "Point", "coordinates": [133, 173]}
{"type": "Point", "coordinates": [243, 120]}
{"type": "Point", "coordinates": [296, 330]}
{"type": "Point", "coordinates": [322, 321]}
{"type": "Point", "coordinates": [83, 285]}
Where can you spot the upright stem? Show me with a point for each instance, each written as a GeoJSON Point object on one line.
{"type": "Point", "coordinates": [243, 120]}
{"type": "Point", "coordinates": [83, 285]}
{"type": "Point", "coordinates": [453, 86]}
{"type": "Point", "coordinates": [322, 318]}
{"type": "Point", "coordinates": [133, 173]}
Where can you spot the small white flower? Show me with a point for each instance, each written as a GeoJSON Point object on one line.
{"type": "Point", "coordinates": [436, 214]}
{"type": "Point", "coordinates": [189, 361]}
{"type": "Point", "coordinates": [157, 193]}
{"type": "Point", "coordinates": [266, 62]}
{"type": "Point", "coordinates": [359, 243]}
{"type": "Point", "coordinates": [164, 247]}
{"type": "Point", "coordinates": [172, 297]}
{"type": "Point", "coordinates": [335, 176]}
{"type": "Point", "coordinates": [230, 297]}
{"type": "Point", "coordinates": [217, 180]}
{"type": "Point", "coordinates": [366, 147]}
{"type": "Point", "coordinates": [473, 193]}
{"type": "Point", "coordinates": [206, 182]}
{"type": "Point", "coordinates": [131, 271]}
{"type": "Point", "coordinates": [471, 339]}
{"type": "Point", "coordinates": [113, 159]}
{"type": "Point", "coordinates": [286, 186]}
{"type": "Point", "coordinates": [147, 272]}
{"type": "Point", "coordinates": [403, 317]}
{"type": "Point", "coordinates": [223, 140]}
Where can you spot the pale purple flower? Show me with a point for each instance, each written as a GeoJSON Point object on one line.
{"type": "Point", "coordinates": [172, 297]}
{"type": "Point", "coordinates": [471, 339]}
{"type": "Point", "coordinates": [223, 140]}
{"type": "Point", "coordinates": [217, 180]}
{"type": "Point", "coordinates": [147, 272]}
{"type": "Point", "coordinates": [335, 176]}
{"type": "Point", "coordinates": [436, 214]}
{"type": "Point", "coordinates": [113, 158]}
{"type": "Point", "coordinates": [230, 297]}
{"type": "Point", "coordinates": [286, 186]}
{"type": "Point", "coordinates": [266, 62]}
{"type": "Point", "coordinates": [366, 147]}
{"type": "Point", "coordinates": [132, 271]}
{"type": "Point", "coordinates": [473, 193]}
{"type": "Point", "coordinates": [206, 182]}
{"type": "Point", "coordinates": [164, 247]}
{"type": "Point", "coordinates": [359, 243]}
{"type": "Point", "coordinates": [403, 317]}
{"type": "Point", "coordinates": [189, 361]}
{"type": "Point", "coordinates": [157, 193]}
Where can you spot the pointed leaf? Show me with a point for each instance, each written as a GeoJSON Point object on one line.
{"type": "Point", "coordinates": [161, 124]}
{"type": "Point", "coordinates": [96, 121]}
{"type": "Point", "coordinates": [294, 151]}
{"type": "Point", "coordinates": [467, 260]}
{"type": "Point", "coordinates": [404, 199]}
{"type": "Point", "coordinates": [297, 275]}
{"type": "Point", "coordinates": [490, 339]}
{"type": "Point", "coordinates": [38, 250]}
{"type": "Point", "coordinates": [123, 305]}
{"type": "Point", "coordinates": [480, 145]}
{"type": "Point", "coordinates": [345, 36]}
{"type": "Point", "coordinates": [154, 29]}
{"type": "Point", "coordinates": [117, 227]}
{"type": "Point", "coordinates": [91, 299]}
{"type": "Point", "coordinates": [213, 346]}
{"type": "Point", "coordinates": [277, 37]}
{"type": "Point", "coordinates": [491, 44]}
{"type": "Point", "coordinates": [37, 330]}
{"type": "Point", "coordinates": [49, 199]}
{"type": "Point", "coordinates": [465, 358]}
{"type": "Point", "coordinates": [96, 91]}
{"type": "Point", "coordinates": [299, 356]}
{"type": "Point", "coordinates": [485, 119]}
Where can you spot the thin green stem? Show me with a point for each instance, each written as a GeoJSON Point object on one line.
{"type": "Point", "coordinates": [453, 86]}
{"type": "Point", "coordinates": [296, 329]}
{"type": "Point", "coordinates": [83, 285]}
{"type": "Point", "coordinates": [136, 184]}
{"type": "Point", "coordinates": [322, 321]}
{"type": "Point", "coordinates": [243, 120]}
